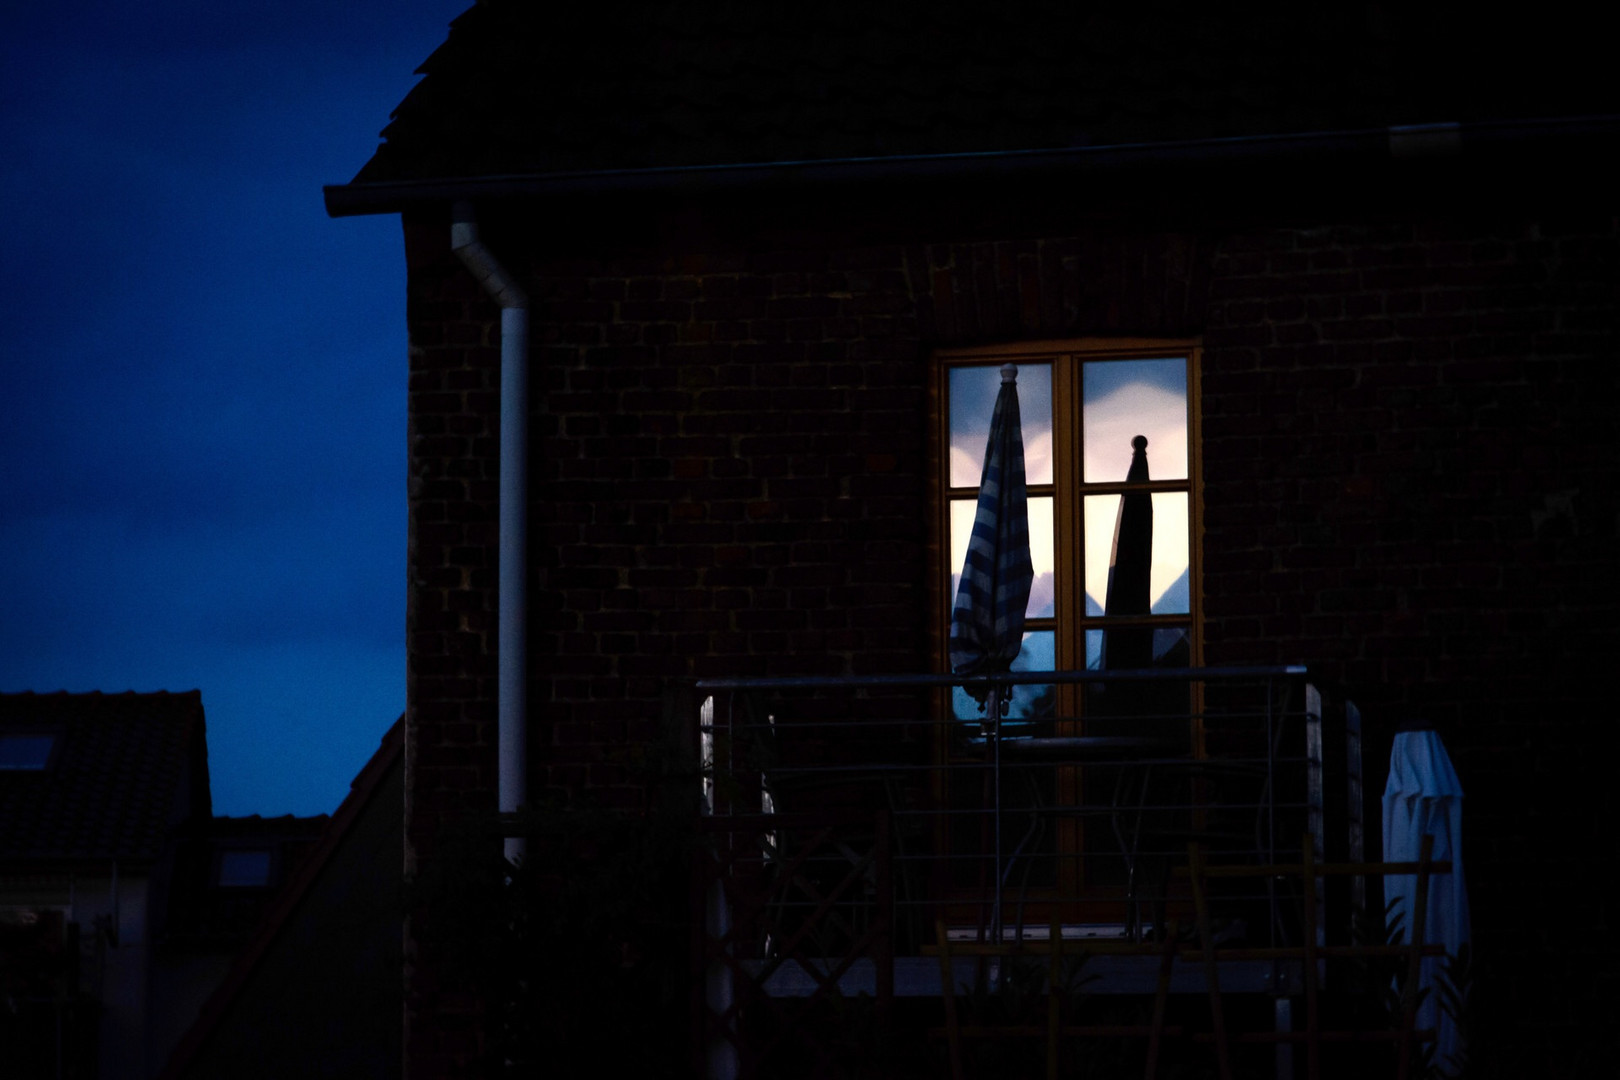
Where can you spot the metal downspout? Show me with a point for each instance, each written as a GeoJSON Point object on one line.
{"type": "Point", "coordinates": [512, 705]}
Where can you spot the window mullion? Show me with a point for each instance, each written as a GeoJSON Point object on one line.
{"type": "Point", "coordinates": [1067, 522]}
{"type": "Point", "coordinates": [1120, 487]}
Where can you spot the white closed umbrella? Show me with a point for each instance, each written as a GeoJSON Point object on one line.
{"type": "Point", "coordinates": [1424, 797]}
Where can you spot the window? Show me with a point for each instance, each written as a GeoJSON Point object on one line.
{"type": "Point", "coordinates": [29, 751]}
{"type": "Point", "coordinates": [1110, 449]}
{"type": "Point", "coordinates": [1097, 493]}
{"type": "Point", "coordinates": [244, 868]}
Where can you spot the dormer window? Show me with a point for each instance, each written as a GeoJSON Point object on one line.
{"type": "Point", "coordinates": [244, 868]}
{"type": "Point", "coordinates": [31, 751]}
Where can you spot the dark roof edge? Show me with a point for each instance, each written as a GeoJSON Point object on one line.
{"type": "Point", "coordinates": [77, 865]}
{"type": "Point", "coordinates": [287, 901]}
{"type": "Point", "coordinates": [1407, 141]}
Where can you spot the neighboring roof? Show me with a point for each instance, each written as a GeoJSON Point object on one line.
{"type": "Point", "coordinates": [527, 89]}
{"type": "Point", "coordinates": [288, 903]}
{"type": "Point", "coordinates": [129, 769]}
{"type": "Point", "coordinates": [202, 914]}
{"type": "Point", "coordinates": [250, 826]}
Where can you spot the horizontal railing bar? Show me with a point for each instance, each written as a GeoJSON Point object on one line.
{"type": "Point", "coordinates": [1294, 870]}
{"type": "Point", "coordinates": [1224, 716]}
{"type": "Point", "coordinates": [803, 727]}
{"type": "Point", "coordinates": [1186, 953]}
{"type": "Point", "coordinates": [791, 723]}
{"type": "Point", "coordinates": [1007, 767]}
{"type": "Point", "coordinates": [1011, 678]}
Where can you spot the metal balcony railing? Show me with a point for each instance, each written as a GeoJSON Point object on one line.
{"type": "Point", "coordinates": [1000, 829]}
{"type": "Point", "coordinates": [1188, 831]}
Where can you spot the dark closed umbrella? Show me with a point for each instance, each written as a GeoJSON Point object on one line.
{"type": "Point", "coordinates": [987, 622]}
{"type": "Point", "coordinates": [1129, 569]}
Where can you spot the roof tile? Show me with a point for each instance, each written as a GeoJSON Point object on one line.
{"type": "Point", "coordinates": [531, 88]}
{"type": "Point", "coordinates": [130, 768]}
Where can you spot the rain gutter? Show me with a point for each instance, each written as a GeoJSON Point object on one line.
{"type": "Point", "coordinates": [512, 698]}
{"type": "Point", "coordinates": [1370, 144]}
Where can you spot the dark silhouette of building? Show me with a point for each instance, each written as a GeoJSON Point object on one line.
{"type": "Point", "coordinates": [96, 793]}
{"type": "Point", "coordinates": [314, 986]}
{"type": "Point", "coordinates": [137, 930]}
{"type": "Point", "coordinates": [750, 246]}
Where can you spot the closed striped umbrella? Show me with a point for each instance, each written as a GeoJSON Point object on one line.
{"type": "Point", "coordinates": [987, 622]}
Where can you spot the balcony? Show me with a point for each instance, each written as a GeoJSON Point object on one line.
{"type": "Point", "coordinates": [1184, 867]}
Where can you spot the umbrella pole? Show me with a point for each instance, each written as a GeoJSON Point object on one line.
{"type": "Point", "coordinates": [993, 704]}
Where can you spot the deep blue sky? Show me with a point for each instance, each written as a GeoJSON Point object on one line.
{"type": "Point", "coordinates": [202, 377]}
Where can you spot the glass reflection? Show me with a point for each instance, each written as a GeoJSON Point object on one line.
{"type": "Point", "coordinates": [1042, 552]}
{"type": "Point", "coordinates": [1028, 702]}
{"type": "Point", "coordinates": [1141, 709]}
{"type": "Point", "coordinates": [1168, 581]}
{"type": "Point", "coordinates": [1125, 398]}
{"type": "Point", "coordinates": [972, 392]}
{"type": "Point", "coordinates": [1172, 648]}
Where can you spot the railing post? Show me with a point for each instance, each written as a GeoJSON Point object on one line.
{"type": "Point", "coordinates": [719, 1051]}
{"type": "Point", "coordinates": [883, 954]}
{"type": "Point", "coordinates": [1355, 803]}
{"type": "Point", "coordinates": [1315, 808]}
{"type": "Point", "coordinates": [1313, 766]}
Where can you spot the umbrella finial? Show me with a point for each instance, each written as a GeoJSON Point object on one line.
{"type": "Point", "coordinates": [1009, 374]}
{"type": "Point", "coordinates": [1138, 472]}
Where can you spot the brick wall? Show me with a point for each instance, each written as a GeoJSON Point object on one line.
{"type": "Point", "coordinates": [1409, 485]}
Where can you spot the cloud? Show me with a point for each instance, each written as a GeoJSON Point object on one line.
{"type": "Point", "coordinates": [967, 456]}
{"type": "Point", "coordinates": [1170, 551]}
{"type": "Point", "coordinates": [1136, 408]}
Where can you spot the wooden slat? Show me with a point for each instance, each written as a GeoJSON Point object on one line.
{"type": "Point", "coordinates": [1161, 999]}
{"type": "Point", "coordinates": [1414, 963]}
{"type": "Point", "coordinates": [947, 989]}
{"type": "Point", "coordinates": [1054, 997]}
{"type": "Point", "coordinates": [1212, 977]}
{"type": "Point", "coordinates": [1313, 1020]}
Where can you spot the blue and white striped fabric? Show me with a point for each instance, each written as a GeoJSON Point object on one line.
{"type": "Point", "coordinates": [987, 622]}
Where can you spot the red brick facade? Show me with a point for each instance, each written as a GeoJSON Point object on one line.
{"type": "Point", "coordinates": [1409, 462]}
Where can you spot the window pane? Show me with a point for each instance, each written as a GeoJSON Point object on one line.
{"type": "Point", "coordinates": [1127, 398]}
{"type": "Point", "coordinates": [1171, 647]}
{"type": "Point", "coordinates": [1168, 586]}
{"type": "Point", "coordinates": [1042, 553]}
{"type": "Point", "coordinates": [26, 753]}
{"type": "Point", "coordinates": [972, 393]}
{"type": "Point", "coordinates": [244, 869]}
{"type": "Point", "coordinates": [1028, 702]}
{"type": "Point", "coordinates": [1145, 709]}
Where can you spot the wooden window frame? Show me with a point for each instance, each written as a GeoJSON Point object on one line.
{"type": "Point", "coordinates": [1069, 621]}
{"type": "Point", "coordinates": [1067, 488]}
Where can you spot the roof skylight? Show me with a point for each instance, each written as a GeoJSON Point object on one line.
{"type": "Point", "coordinates": [26, 752]}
